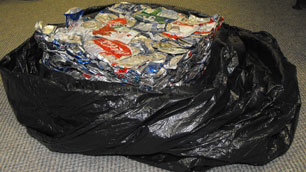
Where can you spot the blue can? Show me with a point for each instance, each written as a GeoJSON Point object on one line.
{"type": "Point", "coordinates": [73, 15]}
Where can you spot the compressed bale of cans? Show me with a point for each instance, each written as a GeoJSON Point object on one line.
{"type": "Point", "coordinates": [132, 44]}
{"type": "Point", "coordinates": [169, 87]}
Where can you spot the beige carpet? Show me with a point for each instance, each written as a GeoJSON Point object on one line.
{"type": "Point", "coordinates": [20, 152]}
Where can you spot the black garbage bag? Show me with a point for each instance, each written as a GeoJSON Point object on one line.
{"type": "Point", "coordinates": [300, 4]}
{"type": "Point", "coordinates": [245, 115]}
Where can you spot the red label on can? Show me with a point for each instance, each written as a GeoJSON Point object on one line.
{"type": "Point", "coordinates": [172, 36]}
{"type": "Point", "coordinates": [106, 30]}
{"type": "Point", "coordinates": [124, 70]}
{"type": "Point", "coordinates": [113, 47]}
{"type": "Point", "coordinates": [117, 21]}
{"type": "Point", "coordinates": [202, 33]}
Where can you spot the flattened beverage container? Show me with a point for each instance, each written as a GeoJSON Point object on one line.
{"type": "Point", "coordinates": [125, 8]}
{"type": "Point", "coordinates": [73, 15]}
{"type": "Point", "coordinates": [170, 14]}
{"type": "Point", "coordinates": [150, 15]}
{"type": "Point", "coordinates": [152, 27]}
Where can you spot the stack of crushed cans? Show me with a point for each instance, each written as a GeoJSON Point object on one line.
{"type": "Point", "coordinates": [133, 44]}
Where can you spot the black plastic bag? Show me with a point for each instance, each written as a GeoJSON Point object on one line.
{"type": "Point", "coordinates": [248, 115]}
{"type": "Point", "coordinates": [300, 4]}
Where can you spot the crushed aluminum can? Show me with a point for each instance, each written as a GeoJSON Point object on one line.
{"type": "Point", "coordinates": [169, 47]}
{"type": "Point", "coordinates": [194, 20]}
{"type": "Point", "coordinates": [113, 47]}
{"type": "Point", "coordinates": [92, 24]}
{"type": "Point", "coordinates": [73, 15]}
{"type": "Point", "coordinates": [152, 27]}
{"type": "Point", "coordinates": [78, 53]}
{"type": "Point", "coordinates": [184, 43]}
{"type": "Point", "coordinates": [150, 15]}
{"type": "Point", "coordinates": [38, 26]}
{"type": "Point", "coordinates": [122, 34]}
{"type": "Point", "coordinates": [153, 68]}
{"type": "Point", "coordinates": [125, 8]}
{"type": "Point", "coordinates": [159, 57]}
{"type": "Point", "coordinates": [117, 22]}
{"type": "Point", "coordinates": [93, 49]}
{"type": "Point", "coordinates": [141, 45]}
{"type": "Point", "coordinates": [161, 73]}
{"type": "Point", "coordinates": [172, 64]}
{"type": "Point", "coordinates": [47, 29]}
{"type": "Point", "coordinates": [170, 14]}
{"type": "Point", "coordinates": [105, 17]}
{"type": "Point", "coordinates": [156, 36]}
{"type": "Point", "coordinates": [180, 30]}
{"type": "Point", "coordinates": [133, 61]}
{"type": "Point", "coordinates": [131, 21]}
{"type": "Point", "coordinates": [67, 37]}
